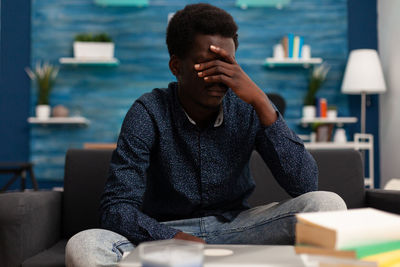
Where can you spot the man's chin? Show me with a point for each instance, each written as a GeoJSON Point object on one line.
{"type": "Point", "coordinates": [213, 102]}
{"type": "Point", "coordinates": [217, 89]}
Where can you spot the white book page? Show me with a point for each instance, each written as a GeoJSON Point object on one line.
{"type": "Point", "coordinates": [357, 226]}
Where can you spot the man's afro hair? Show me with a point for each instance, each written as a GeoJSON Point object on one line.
{"type": "Point", "coordinates": [198, 19]}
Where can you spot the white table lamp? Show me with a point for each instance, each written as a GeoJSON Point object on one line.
{"type": "Point", "coordinates": [363, 75]}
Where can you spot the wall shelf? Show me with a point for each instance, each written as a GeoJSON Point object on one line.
{"type": "Point", "coordinates": [60, 120]}
{"type": "Point", "coordinates": [338, 121]}
{"type": "Point", "coordinates": [137, 3]}
{"type": "Point", "coordinates": [291, 62]}
{"type": "Point", "coordinates": [336, 145]}
{"type": "Point", "coordinates": [113, 62]}
{"type": "Point", "coordinates": [244, 4]}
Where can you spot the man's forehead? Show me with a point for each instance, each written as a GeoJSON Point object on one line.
{"type": "Point", "coordinates": [202, 42]}
{"type": "Point", "coordinates": [204, 55]}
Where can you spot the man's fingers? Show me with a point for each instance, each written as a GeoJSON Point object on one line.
{"type": "Point", "coordinates": [219, 78]}
{"type": "Point", "coordinates": [215, 70]}
{"type": "Point", "coordinates": [210, 64]}
{"type": "Point", "coordinates": [222, 52]}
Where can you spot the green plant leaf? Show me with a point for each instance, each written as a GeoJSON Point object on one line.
{"type": "Point", "coordinates": [44, 75]}
{"type": "Point", "coordinates": [88, 37]}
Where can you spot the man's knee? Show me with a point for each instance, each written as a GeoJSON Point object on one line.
{"type": "Point", "coordinates": [321, 201]}
{"type": "Point", "coordinates": [91, 247]}
{"type": "Point", "coordinates": [79, 246]}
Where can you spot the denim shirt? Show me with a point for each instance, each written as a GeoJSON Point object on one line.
{"type": "Point", "coordinates": [166, 168]}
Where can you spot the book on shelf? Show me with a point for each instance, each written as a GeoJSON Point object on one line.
{"type": "Point", "coordinates": [301, 41]}
{"type": "Point", "coordinates": [347, 228]}
{"type": "Point", "coordinates": [292, 46]}
{"type": "Point", "coordinates": [296, 43]}
{"type": "Point", "coordinates": [285, 44]}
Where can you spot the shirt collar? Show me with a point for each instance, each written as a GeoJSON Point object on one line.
{"type": "Point", "coordinates": [218, 120]}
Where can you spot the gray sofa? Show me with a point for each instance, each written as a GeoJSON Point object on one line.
{"type": "Point", "coordinates": [35, 226]}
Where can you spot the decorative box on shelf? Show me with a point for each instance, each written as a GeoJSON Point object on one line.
{"type": "Point", "coordinates": [291, 62]}
{"type": "Point", "coordinates": [60, 120]}
{"type": "Point", "coordinates": [111, 62]}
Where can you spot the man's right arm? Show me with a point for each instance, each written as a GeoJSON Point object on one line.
{"type": "Point", "coordinates": [126, 185]}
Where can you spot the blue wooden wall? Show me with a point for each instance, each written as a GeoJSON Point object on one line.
{"type": "Point", "coordinates": [14, 84]}
{"type": "Point", "coordinates": [104, 95]}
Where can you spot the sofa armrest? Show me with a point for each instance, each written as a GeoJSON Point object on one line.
{"type": "Point", "coordinates": [387, 200]}
{"type": "Point", "coordinates": [29, 223]}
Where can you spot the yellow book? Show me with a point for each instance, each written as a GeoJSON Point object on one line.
{"type": "Point", "coordinates": [296, 47]}
{"type": "Point", "coordinates": [360, 252]}
{"type": "Point", "coordinates": [386, 259]}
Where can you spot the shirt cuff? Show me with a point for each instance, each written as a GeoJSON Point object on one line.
{"type": "Point", "coordinates": [163, 232]}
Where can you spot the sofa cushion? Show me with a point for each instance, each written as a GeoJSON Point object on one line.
{"type": "Point", "coordinates": [340, 171]}
{"type": "Point", "coordinates": [51, 257]}
{"type": "Point", "coordinates": [29, 223]}
{"type": "Point", "coordinates": [86, 172]}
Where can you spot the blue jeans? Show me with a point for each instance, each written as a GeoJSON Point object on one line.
{"type": "Point", "coordinates": [268, 224]}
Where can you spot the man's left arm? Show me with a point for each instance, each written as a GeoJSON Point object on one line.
{"type": "Point", "coordinates": [283, 151]}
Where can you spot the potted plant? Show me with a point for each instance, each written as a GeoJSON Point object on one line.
{"type": "Point", "coordinates": [89, 46]}
{"type": "Point", "coordinates": [317, 78]}
{"type": "Point", "coordinates": [45, 75]}
{"type": "Point", "coordinates": [332, 112]}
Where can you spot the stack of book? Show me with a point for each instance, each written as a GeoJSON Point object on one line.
{"type": "Point", "coordinates": [321, 107]}
{"type": "Point", "coordinates": [292, 46]}
{"type": "Point", "coordinates": [357, 237]}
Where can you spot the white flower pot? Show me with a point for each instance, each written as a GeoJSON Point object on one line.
{"type": "Point", "coordinates": [332, 114]}
{"type": "Point", "coordinates": [309, 112]}
{"type": "Point", "coordinates": [43, 111]}
{"type": "Point", "coordinates": [93, 50]}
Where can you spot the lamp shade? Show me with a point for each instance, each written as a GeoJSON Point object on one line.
{"type": "Point", "coordinates": [363, 73]}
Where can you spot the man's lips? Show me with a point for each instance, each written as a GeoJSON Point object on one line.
{"type": "Point", "coordinates": [216, 92]}
{"type": "Point", "coordinates": [217, 88]}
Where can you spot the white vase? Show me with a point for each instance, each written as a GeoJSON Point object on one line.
{"type": "Point", "coordinates": [42, 111]}
{"type": "Point", "coordinates": [93, 50]}
{"type": "Point", "coordinates": [340, 136]}
{"type": "Point", "coordinates": [313, 137]}
{"type": "Point", "coordinates": [309, 112]}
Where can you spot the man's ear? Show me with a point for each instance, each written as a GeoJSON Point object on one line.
{"type": "Point", "coordinates": [174, 65]}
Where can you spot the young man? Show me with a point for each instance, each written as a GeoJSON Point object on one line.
{"type": "Point", "coordinates": [181, 170]}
